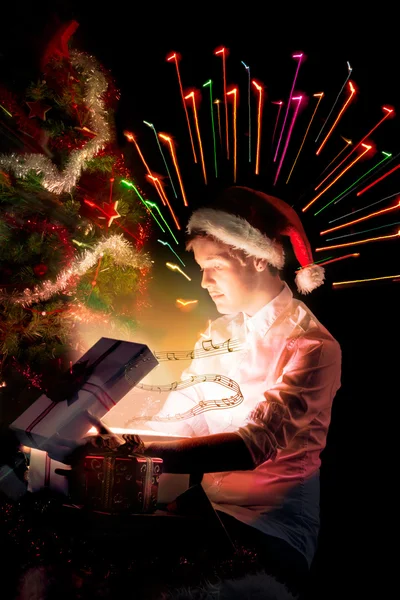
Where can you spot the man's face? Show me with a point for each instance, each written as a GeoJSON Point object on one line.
{"type": "Point", "coordinates": [230, 284]}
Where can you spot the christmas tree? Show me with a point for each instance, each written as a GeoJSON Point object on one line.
{"type": "Point", "coordinates": [71, 235]}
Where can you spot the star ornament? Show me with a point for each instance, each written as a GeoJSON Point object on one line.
{"type": "Point", "coordinates": [38, 109]}
{"type": "Point", "coordinates": [110, 212]}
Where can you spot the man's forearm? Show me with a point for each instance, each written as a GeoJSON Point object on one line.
{"type": "Point", "coordinates": [208, 454]}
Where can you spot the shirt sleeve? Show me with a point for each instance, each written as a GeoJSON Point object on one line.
{"type": "Point", "coordinates": [307, 386]}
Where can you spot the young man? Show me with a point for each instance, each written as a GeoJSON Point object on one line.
{"type": "Point", "coordinates": [260, 458]}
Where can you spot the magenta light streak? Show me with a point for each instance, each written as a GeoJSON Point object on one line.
{"type": "Point", "coordinates": [277, 118]}
{"type": "Point", "coordinates": [299, 56]}
{"type": "Point", "coordinates": [299, 99]}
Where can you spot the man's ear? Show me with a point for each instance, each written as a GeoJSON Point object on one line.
{"type": "Point", "coordinates": [260, 264]}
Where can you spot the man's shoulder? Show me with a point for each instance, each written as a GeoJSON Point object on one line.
{"type": "Point", "coordinates": [308, 326]}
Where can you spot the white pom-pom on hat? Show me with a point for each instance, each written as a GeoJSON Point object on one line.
{"type": "Point", "coordinates": [242, 219]}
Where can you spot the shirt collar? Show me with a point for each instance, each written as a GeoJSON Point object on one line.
{"type": "Point", "coordinates": [265, 317]}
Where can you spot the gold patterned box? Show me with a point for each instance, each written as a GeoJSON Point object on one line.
{"type": "Point", "coordinates": [116, 483]}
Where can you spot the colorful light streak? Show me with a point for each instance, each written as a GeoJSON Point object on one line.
{"type": "Point", "coordinates": [218, 102]}
{"type": "Point", "coordinates": [367, 149]}
{"type": "Point", "coordinates": [174, 267]}
{"type": "Point", "coordinates": [349, 70]}
{"type": "Point", "coordinates": [297, 56]}
{"type": "Point", "coordinates": [340, 237]}
{"type": "Point", "coordinates": [259, 119]}
{"type": "Point", "coordinates": [163, 155]}
{"type": "Point", "coordinates": [222, 51]}
{"type": "Point", "coordinates": [234, 94]}
{"type": "Point", "coordinates": [172, 250]}
{"type": "Point", "coordinates": [185, 302]}
{"type": "Point", "coordinates": [297, 99]}
{"type": "Point", "coordinates": [196, 120]}
{"type": "Point", "coordinates": [248, 103]}
{"type": "Point", "coordinates": [131, 185]}
{"type": "Point", "coordinates": [348, 142]}
{"type": "Point", "coordinates": [174, 57]}
{"type": "Point", "coordinates": [350, 214]}
{"type": "Point", "coordinates": [387, 156]}
{"type": "Point", "coordinates": [370, 216]}
{"type": "Point", "coordinates": [345, 105]}
{"type": "Point", "coordinates": [337, 283]}
{"type": "Point", "coordinates": [209, 83]}
{"type": "Point", "coordinates": [110, 215]}
{"type": "Point", "coordinates": [175, 161]}
{"type": "Point", "coordinates": [154, 205]}
{"type": "Point", "coordinates": [167, 203]}
{"type": "Point", "coordinates": [131, 138]}
{"type": "Point", "coordinates": [378, 180]}
{"type": "Point", "coordinates": [319, 96]}
{"type": "Point", "coordinates": [389, 111]}
{"type": "Point", "coordinates": [332, 260]}
{"type": "Point", "coordinates": [375, 239]}
{"type": "Point", "coordinates": [280, 103]}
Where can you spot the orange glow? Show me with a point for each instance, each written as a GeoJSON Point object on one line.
{"type": "Point", "coordinates": [218, 102]}
{"type": "Point", "coordinates": [234, 93]}
{"type": "Point", "coordinates": [222, 51]}
{"type": "Point", "coordinates": [131, 138]}
{"type": "Point", "coordinates": [159, 186]}
{"type": "Point", "coordinates": [375, 239]}
{"type": "Point", "coordinates": [375, 214]}
{"type": "Point", "coordinates": [173, 155]}
{"type": "Point", "coordinates": [389, 112]}
{"type": "Point", "coordinates": [367, 149]}
{"type": "Point", "coordinates": [332, 260]}
{"type": "Point", "coordinates": [259, 115]}
{"type": "Point", "coordinates": [378, 180]}
{"type": "Point", "coordinates": [345, 105]}
{"type": "Point", "coordinates": [363, 280]}
{"type": "Point", "coordinates": [174, 57]}
{"type": "Point", "coordinates": [191, 95]}
{"type": "Point", "coordinates": [319, 96]}
{"type": "Point", "coordinates": [186, 302]}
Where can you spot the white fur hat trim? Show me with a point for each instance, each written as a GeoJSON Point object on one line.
{"type": "Point", "coordinates": [238, 233]}
{"type": "Point", "coordinates": [309, 278]}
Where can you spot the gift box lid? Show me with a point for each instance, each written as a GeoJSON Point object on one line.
{"type": "Point", "coordinates": [97, 381]}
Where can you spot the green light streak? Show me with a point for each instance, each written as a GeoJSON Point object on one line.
{"type": "Point", "coordinates": [154, 205]}
{"type": "Point", "coordinates": [172, 250]}
{"type": "Point", "coordinates": [130, 184]}
{"type": "Point", "coordinates": [387, 156]}
{"type": "Point", "coordinates": [316, 262]}
{"type": "Point", "coordinates": [162, 154]}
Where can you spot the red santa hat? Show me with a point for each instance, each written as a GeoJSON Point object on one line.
{"type": "Point", "coordinates": [254, 222]}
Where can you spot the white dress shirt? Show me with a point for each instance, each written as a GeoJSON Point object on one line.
{"type": "Point", "coordinates": [288, 372]}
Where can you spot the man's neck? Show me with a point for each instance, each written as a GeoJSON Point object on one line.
{"type": "Point", "coordinates": [265, 296]}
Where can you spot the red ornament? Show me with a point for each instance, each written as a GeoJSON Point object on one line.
{"type": "Point", "coordinates": [37, 109]}
{"type": "Point", "coordinates": [40, 270]}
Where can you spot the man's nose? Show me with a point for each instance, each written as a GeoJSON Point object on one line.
{"type": "Point", "coordinates": [206, 279]}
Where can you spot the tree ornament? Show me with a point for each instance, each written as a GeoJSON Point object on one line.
{"type": "Point", "coordinates": [38, 109]}
{"type": "Point", "coordinates": [40, 270]}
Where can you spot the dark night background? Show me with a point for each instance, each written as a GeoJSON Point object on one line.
{"type": "Point", "coordinates": [133, 43]}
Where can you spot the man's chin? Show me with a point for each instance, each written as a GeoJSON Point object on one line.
{"type": "Point", "coordinates": [222, 308]}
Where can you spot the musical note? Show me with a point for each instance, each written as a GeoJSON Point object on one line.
{"type": "Point", "coordinates": [171, 356]}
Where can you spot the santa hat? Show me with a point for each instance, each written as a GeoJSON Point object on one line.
{"type": "Point", "coordinates": [254, 222]}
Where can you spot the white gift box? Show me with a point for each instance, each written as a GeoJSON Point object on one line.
{"type": "Point", "coordinates": [42, 471]}
{"type": "Point", "coordinates": [108, 371]}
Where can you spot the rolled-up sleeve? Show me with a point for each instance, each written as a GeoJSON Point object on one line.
{"type": "Point", "coordinates": [307, 386]}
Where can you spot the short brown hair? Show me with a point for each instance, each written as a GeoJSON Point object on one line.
{"type": "Point", "coordinates": [237, 253]}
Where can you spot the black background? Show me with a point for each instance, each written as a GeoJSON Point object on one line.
{"type": "Point", "coordinates": [133, 43]}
